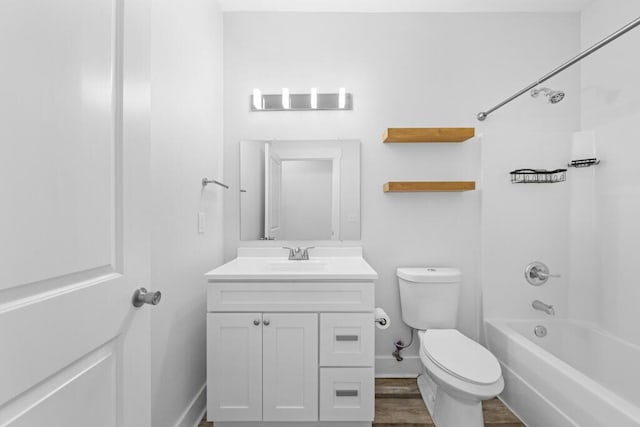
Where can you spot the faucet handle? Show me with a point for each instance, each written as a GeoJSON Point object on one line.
{"type": "Point", "coordinates": [305, 252]}
{"type": "Point", "coordinates": [292, 251]}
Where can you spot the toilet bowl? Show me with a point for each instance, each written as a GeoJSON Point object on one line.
{"type": "Point", "coordinates": [458, 373]}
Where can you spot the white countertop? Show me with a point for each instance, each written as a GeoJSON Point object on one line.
{"type": "Point", "coordinates": [272, 264]}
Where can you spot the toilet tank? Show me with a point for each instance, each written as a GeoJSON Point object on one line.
{"type": "Point", "coordinates": [429, 296]}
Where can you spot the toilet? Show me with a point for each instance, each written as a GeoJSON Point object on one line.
{"type": "Point", "coordinates": [458, 373]}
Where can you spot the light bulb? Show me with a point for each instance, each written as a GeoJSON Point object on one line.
{"type": "Point", "coordinates": [257, 99]}
{"type": "Point", "coordinates": [342, 98]}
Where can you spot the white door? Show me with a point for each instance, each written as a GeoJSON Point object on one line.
{"type": "Point", "coordinates": [234, 366]}
{"type": "Point", "coordinates": [74, 153]}
{"type": "Point", "coordinates": [290, 366]}
{"type": "Point", "coordinates": [272, 194]}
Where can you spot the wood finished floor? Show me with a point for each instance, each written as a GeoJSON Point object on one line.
{"type": "Point", "coordinates": [398, 404]}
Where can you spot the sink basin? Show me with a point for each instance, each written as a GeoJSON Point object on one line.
{"type": "Point", "coordinates": [297, 266]}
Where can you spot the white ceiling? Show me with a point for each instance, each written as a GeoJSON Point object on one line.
{"type": "Point", "coordinates": [404, 5]}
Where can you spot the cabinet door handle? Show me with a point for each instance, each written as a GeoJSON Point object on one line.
{"type": "Point", "coordinates": [346, 393]}
{"type": "Point", "coordinates": [347, 338]}
{"type": "Point", "coordinates": [266, 322]}
{"type": "Point", "coordinates": [256, 322]}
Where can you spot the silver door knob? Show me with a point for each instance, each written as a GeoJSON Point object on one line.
{"type": "Point", "coordinates": [256, 322]}
{"type": "Point", "coordinates": [266, 322]}
{"type": "Point", "coordinates": [142, 296]}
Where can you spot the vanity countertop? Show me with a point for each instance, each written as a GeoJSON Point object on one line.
{"type": "Point", "coordinates": [272, 264]}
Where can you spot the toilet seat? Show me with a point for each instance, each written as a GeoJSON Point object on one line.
{"type": "Point", "coordinates": [460, 356]}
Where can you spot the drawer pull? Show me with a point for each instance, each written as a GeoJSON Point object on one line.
{"type": "Point", "coordinates": [346, 393]}
{"type": "Point", "coordinates": [347, 338]}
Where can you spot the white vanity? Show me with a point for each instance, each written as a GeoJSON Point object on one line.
{"type": "Point", "coordinates": [291, 342]}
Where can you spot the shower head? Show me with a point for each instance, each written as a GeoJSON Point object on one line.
{"type": "Point", "coordinates": [553, 96]}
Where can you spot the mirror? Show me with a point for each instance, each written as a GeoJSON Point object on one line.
{"type": "Point", "coordinates": [300, 190]}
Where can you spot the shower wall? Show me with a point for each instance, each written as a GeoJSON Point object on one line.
{"type": "Point", "coordinates": [522, 223]}
{"type": "Point", "coordinates": [606, 198]}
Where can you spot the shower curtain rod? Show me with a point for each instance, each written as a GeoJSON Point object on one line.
{"type": "Point", "coordinates": [483, 114]}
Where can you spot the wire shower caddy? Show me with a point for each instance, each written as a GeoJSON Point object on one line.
{"type": "Point", "coordinates": [538, 176]}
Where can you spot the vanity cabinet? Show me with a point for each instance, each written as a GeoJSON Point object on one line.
{"type": "Point", "coordinates": [291, 343]}
{"type": "Point", "coordinates": [263, 366]}
{"type": "Point", "coordinates": [309, 363]}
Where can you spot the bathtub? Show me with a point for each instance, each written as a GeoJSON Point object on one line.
{"type": "Point", "coordinates": [576, 375]}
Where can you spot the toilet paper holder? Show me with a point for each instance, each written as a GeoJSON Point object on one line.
{"type": "Point", "coordinates": [381, 318]}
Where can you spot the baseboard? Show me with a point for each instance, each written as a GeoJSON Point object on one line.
{"type": "Point", "coordinates": [194, 412]}
{"type": "Point", "coordinates": [389, 367]}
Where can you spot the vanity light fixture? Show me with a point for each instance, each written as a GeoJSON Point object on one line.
{"type": "Point", "coordinates": [286, 101]}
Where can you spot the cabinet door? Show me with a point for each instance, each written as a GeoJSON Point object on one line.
{"type": "Point", "coordinates": [234, 366]}
{"type": "Point", "coordinates": [290, 358]}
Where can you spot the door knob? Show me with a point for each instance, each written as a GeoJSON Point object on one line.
{"type": "Point", "coordinates": [141, 297]}
{"type": "Point", "coordinates": [266, 322]}
{"type": "Point", "coordinates": [256, 322]}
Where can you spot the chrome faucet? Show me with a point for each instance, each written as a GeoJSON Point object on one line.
{"type": "Point", "coordinates": [298, 254]}
{"type": "Point", "coordinates": [539, 305]}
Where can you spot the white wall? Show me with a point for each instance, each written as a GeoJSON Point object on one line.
{"type": "Point", "coordinates": [611, 111]}
{"type": "Point", "coordinates": [411, 70]}
{"type": "Point", "coordinates": [186, 135]}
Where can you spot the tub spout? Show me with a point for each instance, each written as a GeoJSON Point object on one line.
{"type": "Point", "coordinates": [539, 305]}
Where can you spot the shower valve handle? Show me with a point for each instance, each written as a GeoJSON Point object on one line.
{"type": "Point", "coordinates": [537, 273]}
{"type": "Point", "coordinates": [543, 275]}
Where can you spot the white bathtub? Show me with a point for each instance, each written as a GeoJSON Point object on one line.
{"type": "Point", "coordinates": [577, 375]}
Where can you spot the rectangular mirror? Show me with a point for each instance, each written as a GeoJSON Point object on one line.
{"type": "Point", "coordinates": [300, 190]}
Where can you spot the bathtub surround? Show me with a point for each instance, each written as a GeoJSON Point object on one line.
{"type": "Point", "coordinates": [186, 134]}
{"type": "Point", "coordinates": [610, 194]}
{"type": "Point", "coordinates": [586, 230]}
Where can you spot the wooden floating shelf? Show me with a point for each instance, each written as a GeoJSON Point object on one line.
{"type": "Point", "coordinates": [428, 134]}
{"type": "Point", "coordinates": [414, 186]}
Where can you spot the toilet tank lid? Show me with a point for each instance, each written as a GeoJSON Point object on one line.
{"type": "Point", "coordinates": [429, 274]}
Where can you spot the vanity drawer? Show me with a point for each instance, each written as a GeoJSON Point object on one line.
{"type": "Point", "coordinates": [347, 394]}
{"type": "Point", "coordinates": [290, 296]}
{"type": "Point", "coordinates": [347, 339]}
